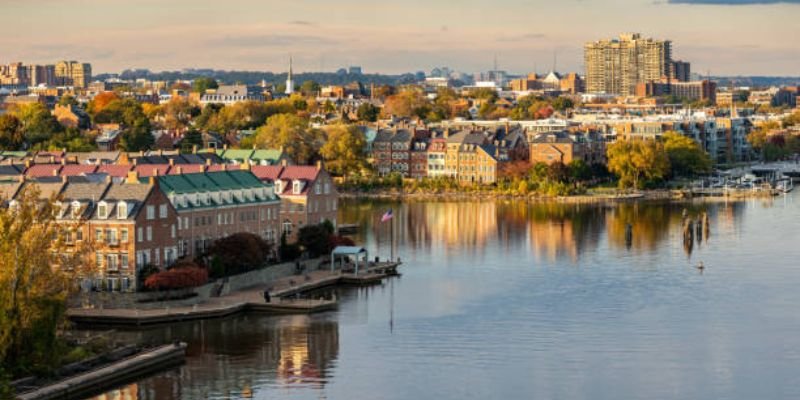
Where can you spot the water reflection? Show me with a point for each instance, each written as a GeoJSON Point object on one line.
{"type": "Point", "coordinates": [550, 230]}
{"type": "Point", "coordinates": [239, 357]}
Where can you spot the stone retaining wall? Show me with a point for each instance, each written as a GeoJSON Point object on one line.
{"type": "Point", "coordinates": [259, 277]}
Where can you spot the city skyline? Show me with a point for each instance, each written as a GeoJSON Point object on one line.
{"type": "Point", "coordinates": [395, 38]}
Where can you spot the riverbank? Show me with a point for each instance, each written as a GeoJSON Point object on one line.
{"type": "Point", "coordinates": [591, 197]}
{"type": "Point", "coordinates": [242, 300]}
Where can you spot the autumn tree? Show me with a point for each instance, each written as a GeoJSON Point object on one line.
{"type": "Point", "coordinates": [638, 162]}
{"type": "Point", "coordinates": [343, 150]}
{"type": "Point", "coordinates": [686, 158]}
{"type": "Point", "coordinates": [238, 253]}
{"type": "Point", "coordinates": [290, 132]}
{"type": "Point", "coordinates": [310, 88]}
{"type": "Point", "coordinates": [10, 132]}
{"type": "Point", "coordinates": [410, 102]}
{"type": "Point", "coordinates": [100, 101]}
{"type": "Point", "coordinates": [178, 113]}
{"type": "Point", "coordinates": [37, 274]}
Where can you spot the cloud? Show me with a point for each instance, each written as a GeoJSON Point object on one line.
{"type": "Point", "coordinates": [733, 2]}
{"type": "Point", "coordinates": [272, 40]}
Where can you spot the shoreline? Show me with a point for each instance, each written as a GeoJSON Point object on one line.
{"type": "Point", "coordinates": [645, 195]}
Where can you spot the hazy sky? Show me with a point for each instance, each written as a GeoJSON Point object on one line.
{"type": "Point", "coordinates": [720, 36]}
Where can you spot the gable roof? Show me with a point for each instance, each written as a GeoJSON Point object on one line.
{"type": "Point", "coordinates": [115, 170]}
{"type": "Point", "coordinates": [78, 169]}
{"type": "Point", "coordinates": [40, 170]}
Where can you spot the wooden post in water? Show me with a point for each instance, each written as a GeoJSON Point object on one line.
{"type": "Point", "coordinates": [628, 235]}
{"type": "Point", "coordinates": [706, 228]}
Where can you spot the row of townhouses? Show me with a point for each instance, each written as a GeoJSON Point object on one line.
{"type": "Point", "coordinates": [155, 220]}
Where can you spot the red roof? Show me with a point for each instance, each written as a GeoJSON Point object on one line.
{"type": "Point", "coordinates": [302, 172]}
{"type": "Point", "coordinates": [40, 170]}
{"type": "Point", "coordinates": [187, 169]}
{"type": "Point", "coordinates": [266, 172]}
{"type": "Point", "coordinates": [222, 167]}
{"type": "Point", "coordinates": [78, 169]}
{"type": "Point", "coordinates": [146, 170]}
{"type": "Point", "coordinates": [115, 170]}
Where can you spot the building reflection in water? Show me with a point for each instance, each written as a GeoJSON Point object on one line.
{"type": "Point", "coordinates": [552, 230]}
{"type": "Point", "coordinates": [292, 353]}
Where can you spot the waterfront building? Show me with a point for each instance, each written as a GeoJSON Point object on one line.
{"type": "Point", "coordinates": [437, 150]}
{"type": "Point", "coordinates": [565, 147]}
{"type": "Point", "coordinates": [616, 66]}
{"type": "Point", "coordinates": [214, 205]}
{"type": "Point", "coordinates": [307, 193]}
{"type": "Point", "coordinates": [392, 150]}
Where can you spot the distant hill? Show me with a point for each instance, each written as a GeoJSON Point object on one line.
{"type": "Point", "coordinates": [756, 81]}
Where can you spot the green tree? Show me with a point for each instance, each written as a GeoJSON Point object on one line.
{"type": "Point", "coordinates": [686, 158]}
{"type": "Point", "coordinates": [562, 103]}
{"type": "Point", "coordinates": [310, 88]}
{"type": "Point", "coordinates": [291, 132]}
{"type": "Point", "coordinates": [71, 139]}
{"type": "Point", "coordinates": [190, 139]}
{"type": "Point", "coordinates": [67, 100]}
{"type": "Point", "coordinates": [758, 136]}
{"type": "Point", "coordinates": [200, 85]}
{"type": "Point", "coordinates": [137, 137]}
{"type": "Point", "coordinates": [343, 150]}
{"type": "Point", "coordinates": [638, 162]}
{"type": "Point", "coordinates": [367, 112]}
{"type": "Point", "coordinates": [36, 122]}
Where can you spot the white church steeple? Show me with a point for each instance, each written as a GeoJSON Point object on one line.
{"type": "Point", "coordinates": [289, 82]}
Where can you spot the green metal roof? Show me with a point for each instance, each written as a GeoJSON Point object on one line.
{"type": "Point", "coordinates": [212, 182]}
{"type": "Point", "coordinates": [237, 154]}
{"type": "Point", "coordinates": [271, 155]}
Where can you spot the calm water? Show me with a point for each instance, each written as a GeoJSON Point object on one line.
{"type": "Point", "coordinates": [512, 300]}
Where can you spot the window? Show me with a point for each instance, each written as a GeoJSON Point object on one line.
{"type": "Point", "coordinates": [151, 212]}
{"type": "Point", "coordinates": [297, 186]}
{"type": "Point", "coordinates": [98, 235]}
{"type": "Point", "coordinates": [122, 210]}
{"type": "Point", "coordinates": [111, 261]}
{"type": "Point", "coordinates": [317, 188]}
{"type": "Point", "coordinates": [79, 235]}
{"type": "Point", "coordinates": [327, 188]}
{"type": "Point", "coordinates": [162, 211]}
{"type": "Point", "coordinates": [139, 235]}
{"type": "Point", "coordinates": [287, 228]}
{"type": "Point", "coordinates": [98, 259]}
{"type": "Point", "coordinates": [102, 210]}
{"type": "Point", "coordinates": [179, 223]}
{"type": "Point", "coordinates": [185, 222]}
{"type": "Point", "coordinates": [149, 233]}
{"type": "Point", "coordinates": [111, 236]}
{"type": "Point", "coordinates": [157, 259]}
{"type": "Point", "coordinates": [123, 260]}
{"type": "Point", "coordinates": [172, 227]}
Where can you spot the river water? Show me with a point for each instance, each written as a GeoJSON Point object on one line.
{"type": "Point", "coordinates": [505, 299]}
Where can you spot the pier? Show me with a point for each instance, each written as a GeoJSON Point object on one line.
{"type": "Point", "coordinates": [281, 292]}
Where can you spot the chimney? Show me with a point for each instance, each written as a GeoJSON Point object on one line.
{"type": "Point", "coordinates": [135, 162]}
{"type": "Point", "coordinates": [155, 171]}
{"type": "Point", "coordinates": [64, 179]}
{"type": "Point", "coordinates": [160, 152]}
{"type": "Point", "coordinates": [283, 162]}
{"type": "Point", "coordinates": [245, 166]}
{"type": "Point", "coordinates": [447, 132]}
{"type": "Point", "coordinates": [180, 170]}
{"type": "Point", "coordinates": [52, 159]}
{"type": "Point", "coordinates": [123, 158]}
{"type": "Point", "coordinates": [141, 153]}
{"type": "Point", "coordinates": [319, 165]}
{"type": "Point", "coordinates": [254, 146]}
{"type": "Point", "coordinates": [208, 162]}
{"type": "Point", "coordinates": [224, 147]}
{"type": "Point", "coordinates": [63, 161]}
{"type": "Point", "coordinates": [55, 172]}
{"type": "Point", "coordinates": [22, 178]}
{"type": "Point", "coordinates": [152, 181]}
{"type": "Point", "coordinates": [109, 178]}
{"type": "Point", "coordinates": [27, 164]}
{"type": "Point", "coordinates": [133, 177]}
{"type": "Point", "coordinates": [194, 149]}
{"type": "Point", "coordinates": [171, 161]}
{"type": "Point", "coordinates": [508, 127]}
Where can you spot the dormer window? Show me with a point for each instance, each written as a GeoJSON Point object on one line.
{"type": "Point", "coordinates": [102, 210]}
{"type": "Point", "coordinates": [76, 208]}
{"type": "Point", "coordinates": [122, 210]}
{"type": "Point", "coordinates": [279, 186]}
{"type": "Point", "coordinates": [297, 187]}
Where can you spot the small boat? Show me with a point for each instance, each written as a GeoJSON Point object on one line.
{"type": "Point", "coordinates": [784, 186]}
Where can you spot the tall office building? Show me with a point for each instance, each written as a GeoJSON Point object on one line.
{"type": "Point", "coordinates": [680, 71]}
{"type": "Point", "coordinates": [616, 66]}
{"type": "Point", "coordinates": [73, 73]}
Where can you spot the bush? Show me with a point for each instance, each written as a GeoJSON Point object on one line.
{"type": "Point", "coordinates": [177, 278]}
{"type": "Point", "coordinates": [315, 239]}
{"type": "Point", "coordinates": [336, 240]}
{"type": "Point", "coordinates": [288, 252]}
{"type": "Point", "coordinates": [237, 253]}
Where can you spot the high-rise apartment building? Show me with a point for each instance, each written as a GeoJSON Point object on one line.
{"type": "Point", "coordinates": [680, 71]}
{"type": "Point", "coordinates": [616, 66]}
{"type": "Point", "coordinates": [73, 73]}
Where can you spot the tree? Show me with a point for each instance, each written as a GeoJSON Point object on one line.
{"type": "Point", "coordinates": [758, 136]}
{"type": "Point", "coordinates": [178, 112]}
{"type": "Point", "coordinates": [562, 103]}
{"type": "Point", "coordinates": [638, 162]}
{"type": "Point", "coordinates": [343, 150]}
{"type": "Point", "coordinates": [238, 253]}
{"type": "Point", "coordinates": [310, 88]}
{"type": "Point", "coordinates": [71, 139]}
{"type": "Point", "coordinates": [291, 132]}
{"type": "Point", "coordinates": [200, 85]}
{"type": "Point", "coordinates": [190, 139]}
{"type": "Point", "coordinates": [10, 132]}
{"type": "Point", "coordinates": [67, 100]}
{"type": "Point", "coordinates": [137, 137]}
{"type": "Point", "coordinates": [37, 273]}
{"type": "Point", "coordinates": [579, 171]}
{"type": "Point", "coordinates": [686, 158]}
{"type": "Point", "coordinates": [36, 122]}
{"type": "Point", "coordinates": [100, 101]}
{"type": "Point", "coordinates": [315, 239]}
{"type": "Point", "coordinates": [366, 112]}
{"type": "Point", "coordinates": [410, 102]}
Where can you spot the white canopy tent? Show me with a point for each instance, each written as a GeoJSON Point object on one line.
{"type": "Point", "coordinates": [349, 251]}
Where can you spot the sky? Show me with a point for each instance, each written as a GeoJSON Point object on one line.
{"type": "Point", "coordinates": [719, 37]}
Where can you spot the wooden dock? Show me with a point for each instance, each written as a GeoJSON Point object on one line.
{"type": "Point", "coordinates": [249, 300]}
{"type": "Point", "coordinates": [109, 376]}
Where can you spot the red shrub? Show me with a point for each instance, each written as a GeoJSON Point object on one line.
{"type": "Point", "coordinates": [177, 278]}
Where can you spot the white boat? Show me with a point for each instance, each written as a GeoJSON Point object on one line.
{"type": "Point", "coordinates": [784, 185]}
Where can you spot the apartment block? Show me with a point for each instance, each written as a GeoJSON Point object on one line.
{"type": "Point", "coordinates": [616, 66]}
